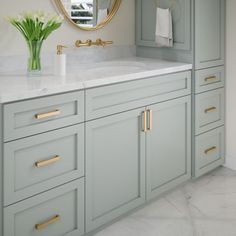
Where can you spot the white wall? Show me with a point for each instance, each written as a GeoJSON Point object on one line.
{"type": "Point", "coordinates": [231, 84]}
{"type": "Point", "coordinates": [121, 29]}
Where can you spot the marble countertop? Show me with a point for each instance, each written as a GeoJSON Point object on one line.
{"type": "Point", "coordinates": [18, 86]}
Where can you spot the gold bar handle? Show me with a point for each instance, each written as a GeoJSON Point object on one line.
{"type": "Point", "coordinates": [210, 78]}
{"type": "Point", "coordinates": [211, 109]}
{"type": "Point", "coordinates": [47, 223]}
{"type": "Point", "coordinates": [150, 120]}
{"type": "Point", "coordinates": [47, 114]}
{"type": "Point", "coordinates": [144, 121]}
{"type": "Point", "coordinates": [209, 150]}
{"type": "Point", "coordinates": [39, 164]}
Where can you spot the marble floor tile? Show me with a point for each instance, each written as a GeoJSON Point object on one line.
{"type": "Point", "coordinates": [204, 207]}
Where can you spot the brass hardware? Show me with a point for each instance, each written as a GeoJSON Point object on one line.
{"type": "Point", "coordinates": [211, 109]}
{"type": "Point", "coordinates": [144, 121]}
{"type": "Point", "coordinates": [150, 120]}
{"type": "Point", "coordinates": [89, 43]}
{"type": "Point", "coordinates": [212, 149]}
{"type": "Point", "coordinates": [39, 164]}
{"type": "Point", "coordinates": [210, 78]}
{"type": "Point", "coordinates": [47, 223]}
{"type": "Point", "coordinates": [60, 49]}
{"type": "Point", "coordinates": [47, 114]}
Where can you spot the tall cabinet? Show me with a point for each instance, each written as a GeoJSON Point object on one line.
{"type": "Point", "coordinates": [199, 38]}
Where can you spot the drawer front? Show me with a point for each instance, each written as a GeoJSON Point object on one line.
{"type": "Point", "coordinates": [113, 99]}
{"type": "Point", "coordinates": [209, 151]}
{"type": "Point", "coordinates": [209, 79]}
{"type": "Point", "coordinates": [41, 162]}
{"type": "Point", "coordinates": [34, 116]}
{"type": "Point", "coordinates": [209, 112]}
{"type": "Point", "coordinates": [57, 212]}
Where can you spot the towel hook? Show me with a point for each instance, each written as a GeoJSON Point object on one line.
{"type": "Point", "coordinates": [172, 4]}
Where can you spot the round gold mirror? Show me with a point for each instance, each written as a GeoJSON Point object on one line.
{"type": "Point", "coordinates": [88, 14]}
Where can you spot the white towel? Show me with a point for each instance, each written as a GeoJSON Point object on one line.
{"type": "Point", "coordinates": [102, 15]}
{"type": "Point", "coordinates": [164, 31]}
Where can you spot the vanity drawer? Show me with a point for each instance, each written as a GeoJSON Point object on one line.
{"type": "Point", "coordinates": [57, 212]}
{"type": "Point", "coordinates": [209, 110]}
{"type": "Point", "coordinates": [209, 151]}
{"type": "Point", "coordinates": [111, 99]}
{"type": "Point", "coordinates": [41, 162]}
{"type": "Point", "coordinates": [209, 79]}
{"type": "Point", "coordinates": [34, 116]}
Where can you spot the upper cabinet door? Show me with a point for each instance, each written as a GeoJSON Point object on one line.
{"type": "Point", "coordinates": [146, 22]}
{"type": "Point", "coordinates": [209, 33]}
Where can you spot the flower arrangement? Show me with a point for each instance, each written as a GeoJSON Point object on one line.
{"type": "Point", "coordinates": [35, 28]}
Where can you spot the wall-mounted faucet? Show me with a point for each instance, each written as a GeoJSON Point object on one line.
{"type": "Point", "coordinates": [89, 43]}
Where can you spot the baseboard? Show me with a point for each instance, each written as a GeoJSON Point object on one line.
{"type": "Point", "coordinates": [230, 162]}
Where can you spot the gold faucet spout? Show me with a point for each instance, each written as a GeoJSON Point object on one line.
{"type": "Point", "coordinates": [89, 43]}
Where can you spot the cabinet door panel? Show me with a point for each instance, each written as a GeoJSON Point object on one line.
{"type": "Point", "coordinates": [209, 33]}
{"type": "Point", "coordinates": [115, 161]}
{"type": "Point", "coordinates": [168, 146]}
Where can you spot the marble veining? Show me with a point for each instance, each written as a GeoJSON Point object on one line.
{"type": "Point", "coordinates": [204, 207]}
{"type": "Point", "coordinates": [17, 86]}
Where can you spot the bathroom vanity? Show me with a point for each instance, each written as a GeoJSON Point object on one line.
{"type": "Point", "coordinates": [77, 155]}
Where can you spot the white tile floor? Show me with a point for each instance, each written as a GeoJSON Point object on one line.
{"type": "Point", "coordinates": [205, 207]}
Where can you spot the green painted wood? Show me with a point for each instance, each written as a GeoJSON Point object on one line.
{"type": "Point", "coordinates": [205, 162]}
{"type": "Point", "coordinates": [209, 33]}
{"type": "Point", "coordinates": [204, 85]}
{"type": "Point", "coordinates": [66, 201]}
{"type": "Point", "coordinates": [169, 146]}
{"type": "Point", "coordinates": [115, 167]}
{"type": "Point", "coordinates": [20, 121]}
{"type": "Point", "coordinates": [23, 179]}
{"type": "Point", "coordinates": [205, 121]}
{"type": "Point", "coordinates": [146, 22]}
{"type": "Point", "coordinates": [113, 99]}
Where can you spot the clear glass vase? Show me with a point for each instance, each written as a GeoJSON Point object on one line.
{"type": "Point", "coordinates": [34, 63]}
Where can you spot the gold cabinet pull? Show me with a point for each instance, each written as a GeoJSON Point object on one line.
{"type": "Point", "coordinates": [150, 120]}
{"type": "Point", "coordinates": [39, 164]}
{"type": "Point", "coordinates": [144, 121]}
{"type": "Point", "coordinates": [209, 150]}
{"type": "Point", "coordinates": [47, 114]}
{"type": "Point", "coordinates": [210, 78]}
{"type": "Point", "coordinates": [211, 109]}
{"type": "Point", "coordinates": [47, 223]}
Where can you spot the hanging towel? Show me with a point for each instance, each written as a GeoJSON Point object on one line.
{"type": "Point", "coordinates": [164, 31]}
{"type": "Point", "coordinates": [102, 15]}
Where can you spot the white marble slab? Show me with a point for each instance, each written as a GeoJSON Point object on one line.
{"type": "Point", "coordinates": [17, 86]}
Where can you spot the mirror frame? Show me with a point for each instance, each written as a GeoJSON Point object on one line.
{"type": "Point", "coordinates": [114, 10]}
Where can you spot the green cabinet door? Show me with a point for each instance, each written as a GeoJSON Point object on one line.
{"type": "Point", "coordinates": [209, 33]}
{"type": "Point", "coordinates": [168, 145]}
{"type": "Point", "coordinates": [115, 166]}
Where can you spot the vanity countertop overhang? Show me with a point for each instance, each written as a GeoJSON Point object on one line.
{"type": "Point", "coordinates": [17, 86]}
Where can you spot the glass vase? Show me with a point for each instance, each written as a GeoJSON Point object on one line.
{"type": "Point", "coordinates": [34, 63]}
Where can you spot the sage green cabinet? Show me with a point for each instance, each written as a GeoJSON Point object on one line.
{"type": "Point", "coordinates": [168, 145]}
{"type": "Point", "coordinates": [115, 167]}
{"type": "Point", "coordinates": [209, 33]}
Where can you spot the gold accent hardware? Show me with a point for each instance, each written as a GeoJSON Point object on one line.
{"type": "Point", "coordinates": [210, 78]}
{"type": "Point", "coordinates": [150, 123]}
{"type": "Point", "coordinates": [211, 109]}
{"type": "Point", "coordinates": [47, 223]}
{"type": "Point", "coordinates": [212, 149]}
{"type": "Point", "coordinates": [39, 164]}
{"type": "Point", "coordinates": [144, 121]}
{"type": "Point", "coordinates": [89, 43]}
{"type": "Point", "coordinates": [47, 114]}
{"type": "Point", "coordinates": [60, 49]}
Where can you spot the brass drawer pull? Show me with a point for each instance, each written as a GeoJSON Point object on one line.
{"type": "Point", "coordinates": [210, 78]}
{"type": "Point", "coordinates": [144, 129]}
{"type": "Point", "coordinates": [211, 109]}
{"type": "Point", "coordinates": [47, 115]}
{"type": "Point", "coordinates": [47, 223]}
{"type": "Point", "coordinates": [39, 164]}
{"type": "Point", "coordinates": [209, 150]}
{"type": "Point", "coordinates": [150, 120]}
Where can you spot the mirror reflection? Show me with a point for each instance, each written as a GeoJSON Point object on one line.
{"type": "Point", "coordinates": [88, 13]}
